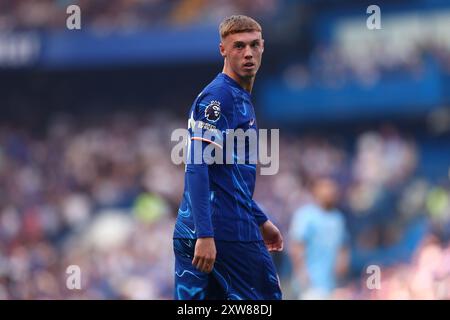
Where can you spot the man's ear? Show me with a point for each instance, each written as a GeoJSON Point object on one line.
{"type": "Point", "coordinates": [222, 50]}
{"type": "Point", "coordinates": [262, 45]}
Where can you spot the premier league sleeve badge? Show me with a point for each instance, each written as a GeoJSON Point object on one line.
{"type": "Point", "coordinates": [212, 111]}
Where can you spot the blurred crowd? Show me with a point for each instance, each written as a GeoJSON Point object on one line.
{"type": "Point", "coordinates": [122, 15]}
{"type": "Point", "coordinates": [408, 46]}
{"type": "Point", "coordinates": [97, 194]}
{"type": "Point", "coordinates": [329, 66]}
{"type": "Point", "coordinates": [425, 277]}
{"type": "Point", "coordinates": [101, 193]}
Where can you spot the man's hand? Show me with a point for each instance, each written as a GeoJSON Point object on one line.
{"type": "Point", "coordinates": [204, 254]}
{"type": "Point", "coordinates": [272, 236]}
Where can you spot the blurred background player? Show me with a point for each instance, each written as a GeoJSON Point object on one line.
{"type": "Point", "coordinates": [318, 250]}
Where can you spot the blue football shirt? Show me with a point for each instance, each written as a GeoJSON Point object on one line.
{"type": "Point", "coordinates": [218, 198]}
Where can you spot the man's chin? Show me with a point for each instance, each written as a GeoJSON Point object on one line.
{"type": "Point", "coordinates": [248, 74]}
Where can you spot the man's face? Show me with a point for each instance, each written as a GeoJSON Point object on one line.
{"type": "Point", "coordinates": [326, 193]}
{"type": "Point", "coordinates": [243, 52]}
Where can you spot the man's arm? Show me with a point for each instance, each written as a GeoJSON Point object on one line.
{"type": "Point", "coordinates": [197, 179]}
{"type": "Point", "coordinates": [272, 236]}
{"type": "Point", "coordinates": [198, 185]}
{"type": "Point", "coordinates": [297, 254]}
{"type": "Point", "coordinates": [342, 263]}
{"type": "Point", "coordinates": [213, 115]}
{"type": "Point", "coordinates": [270, 233]}
{"type": "Point", "coordinates": [260, 216]}
{"type": "Point", "coordinates": [298, 238]}
{"type": "Point", "coordinates": [343, 256]}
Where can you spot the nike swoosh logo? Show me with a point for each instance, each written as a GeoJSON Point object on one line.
{"type": "Point", "coordinates": [185, 227]}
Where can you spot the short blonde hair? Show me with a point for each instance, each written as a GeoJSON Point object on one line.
{"type": "Point", "coordinates": [237, 24]}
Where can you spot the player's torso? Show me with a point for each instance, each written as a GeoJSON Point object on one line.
{"type": "Point", "coordinates": [232, 184]}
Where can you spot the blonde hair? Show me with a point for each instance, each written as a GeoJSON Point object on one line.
{"type": "Point", "coordinates": [237, 24]}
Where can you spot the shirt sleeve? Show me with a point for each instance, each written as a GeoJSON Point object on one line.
{"type": "Point", "coordinates": [259, 215]}
{"type": "Point", "coordinates": [211, 117]}
{"type": "Point", "coordinates": [198, 185]}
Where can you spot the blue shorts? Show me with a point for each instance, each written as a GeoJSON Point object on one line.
{"type": "Point", "coordinates": [242, 271]}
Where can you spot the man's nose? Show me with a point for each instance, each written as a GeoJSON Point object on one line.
{"type": "Point", "coordinates": [248, 53]}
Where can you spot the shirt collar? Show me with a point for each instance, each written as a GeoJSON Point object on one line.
{"type": "Point", "coordinates": [234, 83]}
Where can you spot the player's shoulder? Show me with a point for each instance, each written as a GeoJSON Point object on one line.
{"type": "Point", "coordinates": [307, 211]}
{"type": "Point", "coordinates": [306, 208]}
{"type": "Point", "coordinates": [218, 89]}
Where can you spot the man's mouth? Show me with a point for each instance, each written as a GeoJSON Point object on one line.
{"type": "Point", "coordinates": [249, 65]}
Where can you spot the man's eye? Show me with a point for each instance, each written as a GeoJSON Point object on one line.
{"type": "Point", "coordinates": [255, 45]}
{"type": "Point", "coordinates": [239, 46]}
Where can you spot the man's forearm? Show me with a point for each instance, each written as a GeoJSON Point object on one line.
{"type": "Point", "coordinates": [297, 251]}
{"type": "Point", "coordinates": [198, 186]}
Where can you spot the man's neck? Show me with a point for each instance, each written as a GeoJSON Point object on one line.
{"type": "Point", "coordinates": [326, 207]}
{"type": "Point", "coordinates": [246, 83]}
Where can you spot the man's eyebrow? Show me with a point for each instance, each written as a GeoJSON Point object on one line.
{"type": "Point", "coordinates": [243, 42]}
